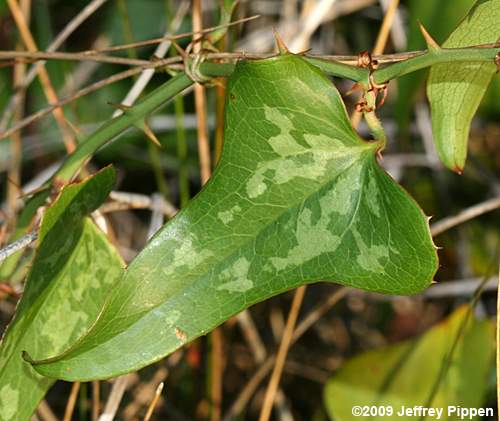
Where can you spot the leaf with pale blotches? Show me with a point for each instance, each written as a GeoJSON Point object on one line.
{"type": "Point", "coordinates": [298, 197]}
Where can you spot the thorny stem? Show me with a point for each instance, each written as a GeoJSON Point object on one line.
{"type": "Point", "coordinates": [178, 83]}
{"type": "Point", "coordinates": [114, 127]}
{"type": "Point", "coordinates": [430, 58]}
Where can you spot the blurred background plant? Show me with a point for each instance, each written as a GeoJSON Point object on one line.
{"type": "Point", "coordinates": [225, 375]}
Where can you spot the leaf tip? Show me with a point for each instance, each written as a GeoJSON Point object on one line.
{"type": "Point", "coordinates": [458, 169]}
{"type": "Point", "coordinates": [432, 45]}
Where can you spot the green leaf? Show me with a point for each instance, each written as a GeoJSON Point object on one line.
{"type": "Point", "coordinates": [297, 197]}
{"type": "Point", "coordinates": [73, 270]}
{"type": "Point", "coordinates": [439, 18]}
{"type": "Point", "coordinates": [406, 374]}
{"type": "Point", "coordinates": [455, 90]}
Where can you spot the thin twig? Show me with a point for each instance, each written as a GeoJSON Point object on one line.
{"type": "Point", "coordinates": [457, 288]}
{"type": "Point", "coordinates": [383, 34]}
{"type": "Point", "coordinates": [200, 104]}
{"type": "Point", "coordinates": [309, 24]}
{"type": "Point", "coordinates": [226, 56]}
{"type": "Point", "coordinates": [115, 397]}
{"type": "Point", "coordinates": [252, 336]}
{"type": "Point", "coordinates": [154, 402]}
{"type": "Point", "coordinates": [82, 92]}
{"type": "Point", "coordinates": [205, 172]}
{"type": "Point", "coordinates": [17, 245]}
{"type": "Point", "coordinates": [120, 201]}
{"type": "Point", "coordinates": [157, 214]}
{"type": "Point", "coordinates": [141, 394]}
{"type": "Point", "coordinates": [70, 406]}
{"type": "Point", "coordinates": [33, 56]}
{"type": "Point", "coordinates": [162, 49]}
{"type": "Point", "coordinates": [176, 63]}
{"type": "Point", "coordinates": [54, 45]}
{"type": "Point", "coordinates": [47, 86]}
{"type": "Point", "coordinates": [126, 200]}
{"type": "Point", "coordinates": [169, 38]}
{"type": "Point", "coordinates": [96, 399]}
{"type": "Point", "coordinates": [286, 341]}
{"type": "Point", "coordinates": [306, 323]}
{"type": "Point", "coordinates": [465, 215]}
{"type": "Point", "coordinates": [45, 412]}
{"type": "Point", "coordinates": [14, 170]}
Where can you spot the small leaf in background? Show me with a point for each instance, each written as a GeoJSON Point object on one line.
{"type": "Point", "coordinates": [297, 197]}
{"type": "Point", "coordinates": [455, 90]}
{"type": "Point", "coordinates": [405, 374]}
{"type": "Point", "coordinates": [439, 18]}
{"type": "Point", "coordinates": [75, 266]}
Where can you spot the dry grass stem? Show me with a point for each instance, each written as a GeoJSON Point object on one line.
{"type": "Point", "coordinates": [286, 341]}
{"type": "Point", "coordinates": [49, 91]}
{"type": "Point", "coordinates": [465, 215]}
{"type": "Point", "coordinates": [154, 402]}
{"type": "Point", "coordinates": [70, 406]}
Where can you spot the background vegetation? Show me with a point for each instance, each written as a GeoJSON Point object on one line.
{"type": "Point", "coordinates": [225, 374]}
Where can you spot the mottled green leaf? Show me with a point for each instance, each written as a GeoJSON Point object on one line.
{"type": "Point", "coordinates": [297, 197]}
{"type": "Point", "coordinates": [455, 90]}
{"type": "Point", "coordinates": [71, 274]}
{"type": "Point", "coordinates": [406, 374]}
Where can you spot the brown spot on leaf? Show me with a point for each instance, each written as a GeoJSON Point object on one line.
{"type": "Point", "coordinates": [181, 335]}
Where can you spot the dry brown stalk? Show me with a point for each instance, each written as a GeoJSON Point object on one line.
{"type": "Point", "coordinates": [49, 91]}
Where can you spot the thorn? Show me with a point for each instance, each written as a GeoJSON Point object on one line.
{"type": "Point", "coordinates": [433, 282]}
{"type": "Point", "coordinates": [179, 49]}
{"type": "Point", "coordinates": [122, 107]}
{"type": "Point", "coordinates": [144, 127]}
{"type": "Point", "coordinates": [432, 45]}
{"type": "Point", "coordinates": [302, 53]}
{"type": "Point", "coordinates": [458, 170]}
{"type": "Point", "coordinates": [282, 48]}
